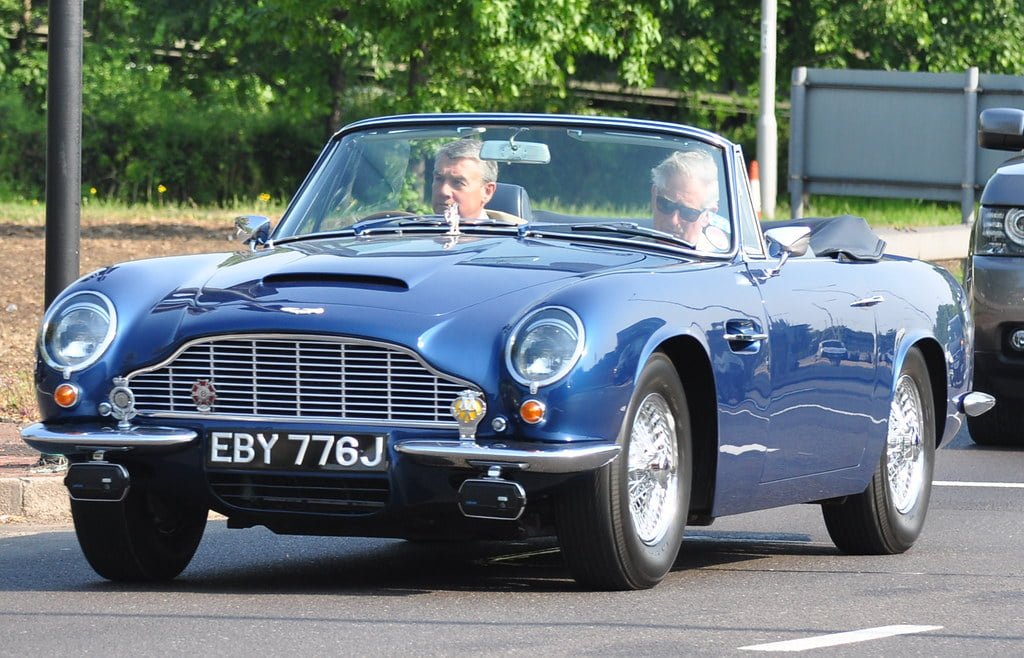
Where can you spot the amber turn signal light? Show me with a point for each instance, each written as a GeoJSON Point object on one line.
{"type": "Point", "coordinates": [532, 411]}
{"type": "Point", "coordinates": [66, 395]}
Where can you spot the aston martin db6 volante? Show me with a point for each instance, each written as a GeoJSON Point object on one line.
{"type": "Point", "coordinates": [497, 326]}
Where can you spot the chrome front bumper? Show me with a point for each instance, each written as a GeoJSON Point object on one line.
{"type": "Point", "coordinates": [547, 459]}
{"type": "Point", "coordinates": [558, 458]}
{"type": "Point", "coordinates": [63, 440]}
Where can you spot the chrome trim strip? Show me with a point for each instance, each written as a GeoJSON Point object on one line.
{"type": "Point", "coordinates": [95, 435]}
{"type": "Point", "coordinates": [549, 459]}
{"type": "Point", "coordinates": [308, 420]}
{"type": "Point", "coordinates": [301, 337]}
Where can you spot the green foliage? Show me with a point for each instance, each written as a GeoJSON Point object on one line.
{"type": "Point", "coordinates": [214, 100]}
{"type": "Point", "coordinates": [22, 147]}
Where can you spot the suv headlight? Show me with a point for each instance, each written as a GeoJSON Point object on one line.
{"type": "Point", "coordinates": [77, 331]}
{"type": "Point", "coordinates": [1000, 231]}
{"type": "Point", "coordinates": [544, 346]}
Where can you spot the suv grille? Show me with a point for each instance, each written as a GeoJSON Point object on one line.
{"type": "Point", "coordinates": [302, 378]}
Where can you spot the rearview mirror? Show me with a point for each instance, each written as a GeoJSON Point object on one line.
{"type": "Point", "coordinates": [515, 151]}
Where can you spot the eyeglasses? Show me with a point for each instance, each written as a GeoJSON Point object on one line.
{"type": "Point", "coordinates": [667, 206]}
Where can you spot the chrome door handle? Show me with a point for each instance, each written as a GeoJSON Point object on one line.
{"type": "Point", "coordinates": [744, 338]}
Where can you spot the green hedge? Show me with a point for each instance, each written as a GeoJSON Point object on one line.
{"type": "Point", "coordinates": [161, 148]}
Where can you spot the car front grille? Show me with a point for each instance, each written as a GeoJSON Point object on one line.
{"type": "Point", "coordinates": [352, 495]}
{"type": "Point", "coordinates": [300, 378]}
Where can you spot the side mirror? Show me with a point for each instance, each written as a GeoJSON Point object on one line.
{"type": "Point", "coordinates": [1001, 128]}
{"type": "Point", "coordinates": [252, 230]}
{"type": "Point", "coordinates": [791, 240]}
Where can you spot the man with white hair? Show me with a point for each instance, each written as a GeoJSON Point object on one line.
{"type": "Point", "coordinates": [684, 199]}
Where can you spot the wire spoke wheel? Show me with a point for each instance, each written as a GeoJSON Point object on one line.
{"type": "Point", "coordinates": [905, 468]}
{"type": "Point", "coordinates": [887, 517]}
{"type": "Point", "coordinates": [620, 528]}
{"type": "Point", "coordinates": [653, 470]}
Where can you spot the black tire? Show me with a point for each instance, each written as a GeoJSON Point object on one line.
{"type": "Point", "coordinates": [605, 544]}
{"type": "Point", "coordinates": [888, 516]}
{"type": "Point", "coordinates": [1000, 426]}
{"type": "Point", "coordinates": [146, 537]}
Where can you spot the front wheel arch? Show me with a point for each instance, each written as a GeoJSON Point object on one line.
{"type": "Point", "coordinates": [694, 369]}
{"type": "Point", "coordinates": [935, 360]}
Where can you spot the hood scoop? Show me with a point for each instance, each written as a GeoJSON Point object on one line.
{"type": "Point", "coordinates": [334, 279]}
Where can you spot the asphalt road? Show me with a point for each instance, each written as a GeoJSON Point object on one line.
{"type": "Point", "coordinates": [739, 586]}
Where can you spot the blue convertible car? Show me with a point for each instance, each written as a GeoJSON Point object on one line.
{"type": "Point", "coordinates": [502, 326]}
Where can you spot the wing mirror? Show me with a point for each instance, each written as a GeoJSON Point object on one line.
{"type": "Point", "coordinates": [253, 230]}
{"type": "Point", "coordinates": [1001, 128]}
{"type": "Point", "coordinates": [791, 241]}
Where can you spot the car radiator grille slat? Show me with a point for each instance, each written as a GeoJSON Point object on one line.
{"type": "Point", "coordinates": [302, 378]}
{"type": "Point", "coordinates": [353, 495]}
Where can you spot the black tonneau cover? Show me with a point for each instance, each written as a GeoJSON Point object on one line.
{"type": "Point", "coordinates": [844, 236]}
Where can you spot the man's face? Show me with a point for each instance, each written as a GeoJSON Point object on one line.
{"type": "Point", "coordinates": [679, 210]}
{"type": "Point", "coordinates": [460, 181]}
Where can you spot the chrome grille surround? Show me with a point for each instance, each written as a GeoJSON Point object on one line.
{"type": "Point", "coordinates": [300, 378]}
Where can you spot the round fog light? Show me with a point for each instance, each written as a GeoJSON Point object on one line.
{"type": "Point", "coordinates": [1017, 340]}
{"type": "Point", "coordinates": [66, 395]}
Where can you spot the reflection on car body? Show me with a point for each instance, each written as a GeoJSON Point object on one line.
{"type": "Point", "coordinates": [369, 367]}
{"type": "Point", "coordinates": [832, 350]}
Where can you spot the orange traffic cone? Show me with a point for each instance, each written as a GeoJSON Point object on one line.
{"type": "Point", "coordinates": [755, 186]}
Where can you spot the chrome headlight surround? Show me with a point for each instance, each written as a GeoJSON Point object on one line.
{"type": "Point", "coordinates": [90, 314]}
{"type": "Point", "coordinates": [1000, 231]}
{"type": "Point", "coordinates": [544, 346]}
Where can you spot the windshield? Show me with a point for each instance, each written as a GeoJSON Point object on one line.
{"type": "Point", "coordinates": [595, 180]}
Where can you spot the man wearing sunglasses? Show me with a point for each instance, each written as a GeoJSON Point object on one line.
{"type": "Point", "coordinates": [684, 199]}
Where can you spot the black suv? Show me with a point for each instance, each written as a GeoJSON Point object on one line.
{"type": "Point", "coordinates": [994, 280]}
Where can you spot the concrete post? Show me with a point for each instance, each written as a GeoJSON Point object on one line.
{"type": "Point", "coordinates": [970, 145]}
{"type": "Point", "coordinates": [767, 128]}
{"type": "Point", "coordinates": [798, 106]}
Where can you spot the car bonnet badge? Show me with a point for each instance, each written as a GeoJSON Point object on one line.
{"type": "Point", "coordinates": [204, 394]}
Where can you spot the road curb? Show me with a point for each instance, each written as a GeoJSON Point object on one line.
{"type": "Point", "coordinates": [38, 499]}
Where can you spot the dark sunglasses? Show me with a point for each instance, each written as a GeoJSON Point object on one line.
{"type": "Point", "coordinates": [667, 207]}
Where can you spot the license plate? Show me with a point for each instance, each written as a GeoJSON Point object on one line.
{"type": "Point", "coordinates": [297, 451]}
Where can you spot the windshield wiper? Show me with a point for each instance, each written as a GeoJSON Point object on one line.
{"type": "Point", "coordinates": [632, 228]}
{"type": "Point", "coordinates": [366, 226]}
{"type": "Point", "coordinates": [399, 219]}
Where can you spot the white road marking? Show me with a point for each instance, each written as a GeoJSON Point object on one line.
{"type": "Point", "coordinates": [836, 639]}
{"type": "Point", "coordinates": [991, 485]}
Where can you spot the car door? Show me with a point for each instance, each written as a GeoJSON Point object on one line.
{"type": "Point", "coordinates": [822, 355]}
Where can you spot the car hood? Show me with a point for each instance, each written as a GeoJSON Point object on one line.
{"type": "Point", "coordinates": [432, 275]}
{"type": "Point", "coordinates": [1003, 189]}
{"type": "Point", "coordinates": [442, 296]}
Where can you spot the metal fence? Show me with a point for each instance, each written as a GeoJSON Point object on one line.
{"type": "Point", "coordinates": [893, 134]}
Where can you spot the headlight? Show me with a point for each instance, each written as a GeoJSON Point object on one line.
{"type": "Point", "coordinates": [544, 346]}
{"type": "Point", "coordinates": [1000, 231]}
{"type": "Point", "coordinates": [77, 330]}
